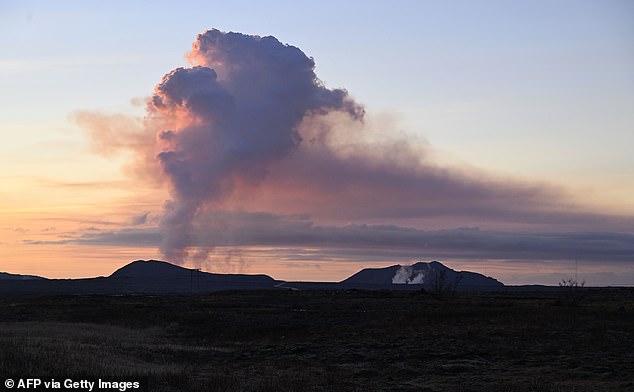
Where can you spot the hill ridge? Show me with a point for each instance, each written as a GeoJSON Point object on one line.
{"type": "Point", "coordinates": [420, 273]}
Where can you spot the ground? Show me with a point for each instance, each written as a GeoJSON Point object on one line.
{"type": "Point", "coordinates": [580, 340]}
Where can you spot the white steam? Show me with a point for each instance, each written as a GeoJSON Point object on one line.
{"type": "Point", "coordinates": [408, 275]}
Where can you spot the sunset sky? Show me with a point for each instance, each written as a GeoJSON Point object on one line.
{"type": "Point", "coordinates": [493, 136]}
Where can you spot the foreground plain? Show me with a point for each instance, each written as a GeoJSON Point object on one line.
{"type": "Point", "coordinates": [328, 340]}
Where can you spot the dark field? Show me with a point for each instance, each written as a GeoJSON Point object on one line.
{"type": "Point", "coordinates": [327, 340]}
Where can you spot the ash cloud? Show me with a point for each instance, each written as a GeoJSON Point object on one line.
{"type": "Point", "coordinates": [228, 118]}
{"type": "Point", "coordinates": [250, 127]}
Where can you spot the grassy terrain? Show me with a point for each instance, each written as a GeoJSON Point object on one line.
{"type": "Point", "coordinates": [327, 341]}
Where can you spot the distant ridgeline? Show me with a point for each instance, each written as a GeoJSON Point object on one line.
{"type": "Point", "coordinates": [143, 276]}
{"type": "Point", "coordinates": [7, 276]}
{"type": "Point", "coordinates": [159, 277]}
{"type": "Point", "coordinates": [422, 275]}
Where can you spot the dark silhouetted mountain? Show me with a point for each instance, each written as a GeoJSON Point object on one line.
{"type": "Point", "coordinates": [159, 277]}
{"type": "Point", "coordinates": [151, 269]}
{"type": "Point", "coordinates": [7, 276]}
{"type": "Point", "coordinates": [141, 276]}
{"type": "Point", "coordinates": [420, 275]}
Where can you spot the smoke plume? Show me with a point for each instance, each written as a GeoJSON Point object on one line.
{"type": "Point", "coordinates": [226, 119]}
{"type": "Point", "coordinates": [250, 129]}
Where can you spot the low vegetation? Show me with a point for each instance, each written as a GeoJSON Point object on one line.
{"type": "Point", "coordinates": [326, 341]}
{"type": "Point", "coordinates": [442, 287]}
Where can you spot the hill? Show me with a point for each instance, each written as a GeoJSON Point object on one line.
{"type": "Point", "coordinates": [420, 275]}
{"type": "Point", "coordinates": [142, 276]}
{"type": "Point", "coordinates": [160, 277]}
{"type": "Point", "coordinates": [8, 276]}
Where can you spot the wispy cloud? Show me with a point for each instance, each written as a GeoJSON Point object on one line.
{"type": "Point", "coordinates": [374, 242]}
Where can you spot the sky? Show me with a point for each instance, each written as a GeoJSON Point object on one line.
{"type": "Point", "coordinates": [492, 136]}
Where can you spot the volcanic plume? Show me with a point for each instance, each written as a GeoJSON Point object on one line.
{"type": "Point", "coordinates": [257, 151]}
{"type": "Point", "coordinates": [227, 118]}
